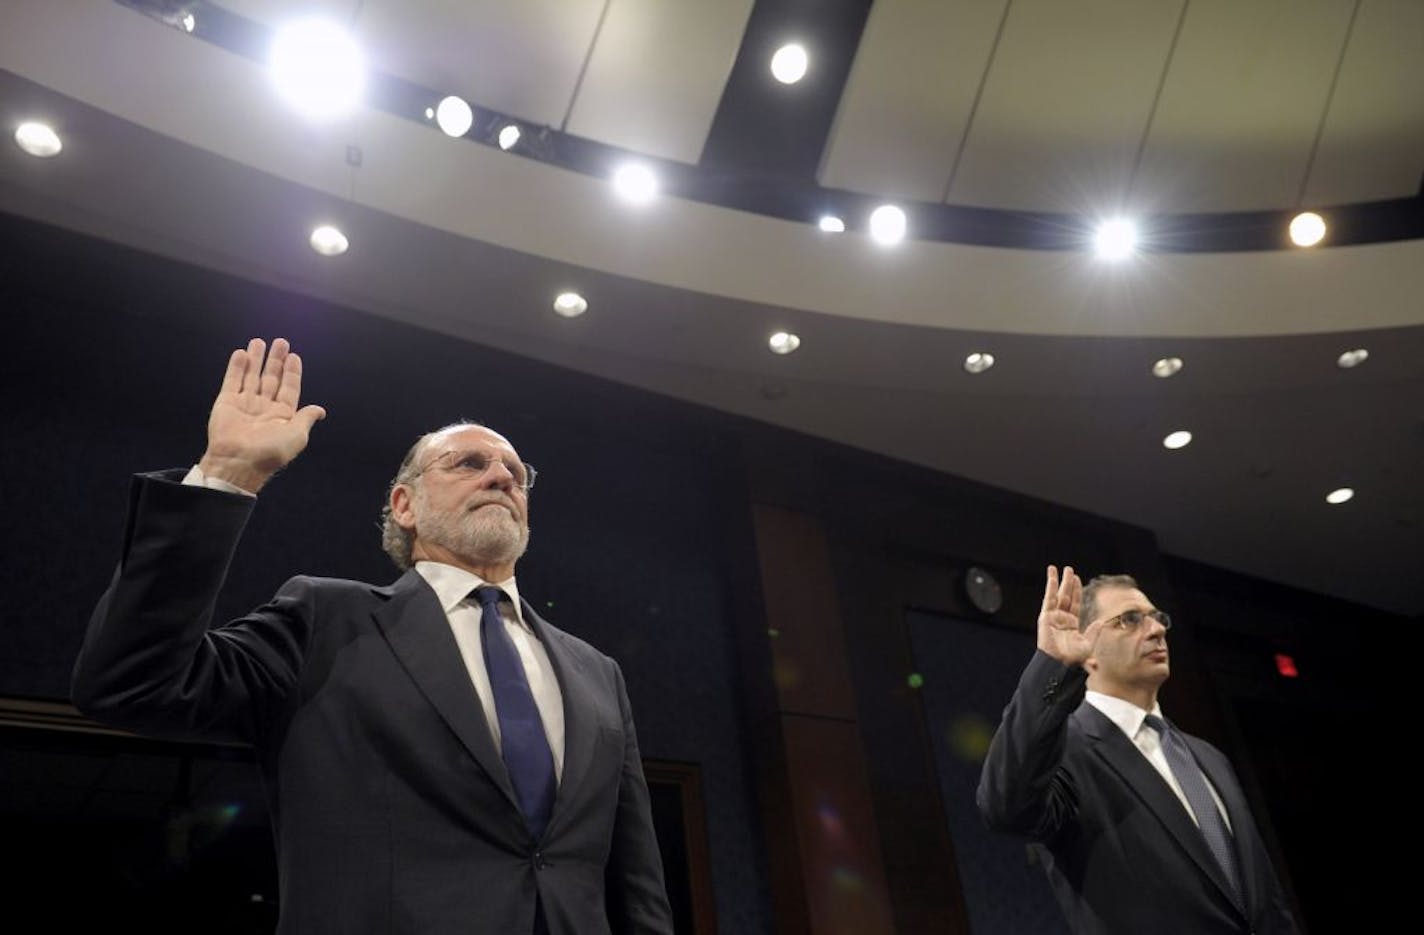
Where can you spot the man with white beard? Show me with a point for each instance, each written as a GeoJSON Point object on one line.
{"type": "Point", "coordinates": [436, 757]}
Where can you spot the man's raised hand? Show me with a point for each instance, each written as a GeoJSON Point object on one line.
{"type": "Point", "coordinates": [1058, 633]}
{"type": "Point", "coordinates": [256, 428]}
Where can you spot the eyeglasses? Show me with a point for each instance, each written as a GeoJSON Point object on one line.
{"type": "Point", "coordinates": [1132, 619]}
{"type": "Point", "coordinates": [474, 463]}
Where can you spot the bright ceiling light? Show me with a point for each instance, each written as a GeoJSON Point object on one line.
{"type": "Point", "coordinates": [1353, 358]}
{"type": "Point", "coordinates": [187, 22]}
{"type": "Point", "coordinates": [570, 304]}
{"type": "Point", "coordinates": [1116, 239]}
{"type": "Point", "coordinates": [831, 224]}
{"type": "Point", "coordinates": [788, 65]}
{"type": "Point", "coordinates": [318, 68]}
{"type": "Point", "coordinates": [328, 241]}
{"type": "Point", "coordinates": [38, 139]}
{"type": "Point", "coordinates": [887, 224]}
{"type": "Point", "coordinates": [783, 342]}
{"type": "Point", "coordinates": [508, 136]}
{"type": "Point", "coordinates": [1177, 440]}
{"type": "Point", "coordinates": [978, 362]}
{"type": "Point", "coordinates": [1165, 367]}
{"type": "Point", "coordinates": [454, 116]}
{"type": "Point", "coordinates": [1307, 229]}
{"type": "Point", "coordinates": [636, 183]}
{"type": "Point", "coordinates": [1340, 495]}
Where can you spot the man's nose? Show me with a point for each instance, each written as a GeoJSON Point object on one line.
{"type": "Point", "coordinates": [498, 476]}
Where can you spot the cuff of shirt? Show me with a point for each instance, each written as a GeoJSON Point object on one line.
{"type": "Point", "coordinates": [196, 478]}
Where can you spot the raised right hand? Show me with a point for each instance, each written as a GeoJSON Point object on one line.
{"type": "Point", "coordinates": [1058, 633]}
{"type": "Point", "coordinates": [255, 428]}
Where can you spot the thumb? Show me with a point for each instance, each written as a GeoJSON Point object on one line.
{"type": "Point", "coordinates": [309, 416]}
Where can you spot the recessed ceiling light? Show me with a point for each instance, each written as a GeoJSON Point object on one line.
{"type": "Point", "coordinates": [1340, 495]}
{"type": "Point", "coordinates": [454, 116]}
{"type": "Point", "coordinates": [508, 136]}
{"type": "Point", "coordinates": [1307, 229]}
{"type": "Point", "coordinates": [1176, 440]}
{"type": "Point", "coordinates": [636, 183]}
{"type": "Point", "coordinates": [328, 241]}
{"type": "Point", "coordinates": [1353, 358]}
{"type": "Point", "coordinates": [887, 224]}
{"type": "Point", "coordinates": [1165, 367]}
{"type": "Point", "coordinates": [38, 139]}
{"type": "Point", "coordinates": [978, 362]}
{"type": "Point", "coordinates": [831, 224]}
{"type": "Point", "coordinates": [318, 68]}
{"type": "Point", "coordinates": [783, 342]}
{"type": "Point", "coordinates": [1116, 239]}
{"type": "Point", "coordinates": [570, 304]}
{"type": "Point", "coordinates": [788, 65]}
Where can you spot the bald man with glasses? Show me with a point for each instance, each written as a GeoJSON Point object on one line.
{"type": "Point", "coordinates": [1141, 827]}
{"type": "Point", "coordinates": [437, 758]}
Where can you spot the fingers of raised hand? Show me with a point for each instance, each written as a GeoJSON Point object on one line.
{"type": "Point", "coordinates": [274, 369]}
{"type": "Point", "coordinates": [289, 392]}
{"type": "Point", "coordinates": [1050, 590]}
{"type": "Point", "coordinates": [251, 366]}
{"type": "Point", "coordinates": [1068, 591]}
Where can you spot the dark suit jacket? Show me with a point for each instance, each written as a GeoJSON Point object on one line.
{"type": "Point", "coordinates": [392, 808]}
{"type": "Point", "coordinates": [1122, 853]}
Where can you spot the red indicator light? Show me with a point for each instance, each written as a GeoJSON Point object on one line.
{"type": "Point", "coordinates": [1285, 665]}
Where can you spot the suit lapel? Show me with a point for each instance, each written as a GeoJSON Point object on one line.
{"type": "Point", "coordinates": [1110, 743]}
{"type": "Point", "coordinates": [580, 735]}
{"type": "Point", "coordinates": [419, 634]}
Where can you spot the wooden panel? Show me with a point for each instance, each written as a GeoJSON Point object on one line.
{"type": "Point", "coordinates": [909, 96]}
{"type": "Point", "coordinates": [656, 74]}
{"type": "Point", "coordinates": [807, 645]}
{"type": "Point", "coordinates": [1241, 105]}
{"type": "Point", "coordinates": [844, 876]}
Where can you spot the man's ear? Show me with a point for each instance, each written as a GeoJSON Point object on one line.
{"type": "Point", "coordinates": [402, 507]}
{"type": "Point", "coordinates": [1090, 665]}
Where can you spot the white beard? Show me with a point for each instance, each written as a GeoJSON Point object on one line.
{"type": "Point", "coordinates": [486, 535]}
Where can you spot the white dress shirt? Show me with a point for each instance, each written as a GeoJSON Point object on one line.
{"type": "Point", "coordinates": [452, 587]}
{"type": "Point", "coordinates": [1132, 721]}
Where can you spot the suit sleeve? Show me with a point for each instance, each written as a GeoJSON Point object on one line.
{"type": "Point", "coordinates": [637, 895]}
{"type": "Point", "coordinates": [1024, 787]}
{"type": "Point", "coordinates": [150, 662]}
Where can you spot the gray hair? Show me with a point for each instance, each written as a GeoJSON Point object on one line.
{"type": "Point", "coordinates": [397, 541]}
{"type": "Point", "coordinates": [1089, 607]}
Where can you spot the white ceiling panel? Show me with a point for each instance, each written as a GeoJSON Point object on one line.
{"type": "Point", "coordinates": [656, 74]}
{"type": "Point", "coordinates": [522, 59]}
{"type": "Point", "coordinates": [274, 12]}
{"type": "Point", "coordinates": [1063, 109]}
{"type": "Point", "coordinates": [1241, 105]}
{"type": "Point", "coordinates": [909, 96]}
{"type": "Point", "coordinates": [1373, 144]}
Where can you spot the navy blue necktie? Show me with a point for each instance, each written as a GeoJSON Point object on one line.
{"type": "Point", "coordinates": [522, 740]}
{"type": "Point", "coordinates": [1193, 782]}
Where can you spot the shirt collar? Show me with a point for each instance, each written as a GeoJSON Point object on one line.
{"type": "Point", "coordinates": [453, 585]}
{"type": "Point", "coordinates": [1126, 715]}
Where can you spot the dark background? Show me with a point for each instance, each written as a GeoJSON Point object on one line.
{"type": "Point", "coordinates": [643, 544]}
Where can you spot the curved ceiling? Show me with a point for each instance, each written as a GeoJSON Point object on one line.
{"type": "Point", "coordinates": [178, 147]}
{"type": "Point", "coordinates": [411, 171]}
